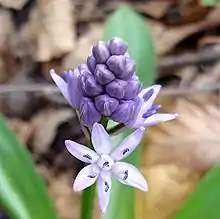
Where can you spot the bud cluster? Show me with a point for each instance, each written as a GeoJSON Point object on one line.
{"type": "Point", "coordinates": [108, 83]}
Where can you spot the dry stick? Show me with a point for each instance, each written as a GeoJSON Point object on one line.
{"type": "Point", "coordinates": [177, 61]}
{"type": "Point", "coordinates": [51, 89]}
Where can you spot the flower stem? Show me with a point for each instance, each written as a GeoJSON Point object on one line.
{"type": "Point", "coordinates": [88, 194]}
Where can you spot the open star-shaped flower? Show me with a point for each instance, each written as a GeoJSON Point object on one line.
{"type": "Point", "coordinates": [105, 162]}
{"type": "Point", "coordinates": [145, 114]}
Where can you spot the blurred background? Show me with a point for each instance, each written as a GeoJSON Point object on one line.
{"type": "Point", "coordinates": [37, 35]}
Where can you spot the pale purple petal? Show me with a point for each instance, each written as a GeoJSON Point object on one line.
{"type": "Point", "coordinates": [129, 175]}
{"type": "Point", "coordinates": [75, 95]}
{"type": "Point", "coordinates": [148, 95]}
{"type": "Point", "coordinates": [81, 152]}
{"type": "Point", "coordinates": [61, 84]}
{"type": "Point", "coordinates": [159, 118]}
{"type": "Point", "coordinates": [103, 190]}
{"type": "Point", "coordinates": [128, 145]}
{"type": "Point", "coordinates": [86, 177]}
{"type": "Point", "coordinates": [101, 140]}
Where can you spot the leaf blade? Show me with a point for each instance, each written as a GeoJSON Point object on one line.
{"type": "Point", "coordinates": [204, 202]}
{"type": "Point", "coordinates": [20, 180]}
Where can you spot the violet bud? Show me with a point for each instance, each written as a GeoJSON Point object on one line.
{"type": "Point", "coordinates": [117, 46]}
{"type": "Point", "coordinates": [88, 85]}
{"type": "Point", "coordinates": [103, 75]}
{"type": "Point", "coordinates": [91, 63]}
{"type": "Point", "coordinates": [132, 88]}
{"type": "Point", "coordinates": [88, 112]}
{"type": "Point", "coordinates": [106, 104]}
{"type": "Point", "coordinates": [123, 67]}
{"type": "Point", "coordinates": [116, 88]}
{"type": "Point", "coordinates": [83, 67]}
{"type": "Point", "coordinates": [101, 52]}
{"type": "Point", "coordinates": [124, 111]}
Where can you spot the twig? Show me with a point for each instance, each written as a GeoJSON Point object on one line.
{"type": "Point", "coordinates": [51, 89]}
{"type": "Point", "coordinates": [177, 61]}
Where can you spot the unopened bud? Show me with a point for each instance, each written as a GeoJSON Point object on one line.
{"type": "Point", "coordinates": [103, 75]}
{"type": "Point", "coordinates": [116, 88]}
{"type": "Point", "coordinates": [132, 88]}
{"type": "Point", "coordinates": [117, 46]}
{"type": "Point", "coordinates": [106, 104]}
{"type": "Point", "coordinates": [88, 85]}
{"type": "Point", "coordinates": [100, 52]}
{"type": "Point", "coordinates": [88, 112]}
{"type": "Point", "coordinates": [123, 67]}
{"type": "Point", "coordinates": [91, 63]}
{"type": "Point", "coordinates": [124, 111]}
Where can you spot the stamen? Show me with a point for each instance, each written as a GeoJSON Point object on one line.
{"type": "Point", "coordinates": [87, 156]}
{"type": "Point", "coordinates": [107, 187]}
{"type": "Point", "coordinates": [153, 110]}
{"type": "Point", "coordinates": [92, 175]}
{"type": "Point", "coordinates": [126, 175]}
{"type": "Point", "coordinates": [125, 151]}
{"type": "Point", "coordinates": [148, 94]}
{"type": "Point", "coordinates": [106, 164]}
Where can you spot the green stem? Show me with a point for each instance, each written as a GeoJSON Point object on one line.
{"type": "Point", "coordinates": [89, 193]}
{"type": "Point", "coordinates": [88, 202]}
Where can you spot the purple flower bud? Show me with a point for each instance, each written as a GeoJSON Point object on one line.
{"type": "Point", "coordinates": [123, 67]}
{"type": "Point", "coordinates": [103, 75]}
{"type": "Point", "coordinates": [124, 111]}
{"type": "Point", "coordinates": [91, 63]}
{"type": "Point", "coordinates": [132, 88]}
{"type": "Point", "coordinates": [116, 88]}
{"type": "Point", "coordinates": [153, 110]}
{"type": "Point", "coordinates": [88, 112]}
{"type": "Point", "coordinates": [117, 46]}
{"type": "Point", "coordinates": [101, 52]}
{"type": "Point", "coordinates": [88, 85]}
{"type": "Point", "coordinates": [106, 104]}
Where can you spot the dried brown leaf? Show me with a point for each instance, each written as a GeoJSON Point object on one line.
{"type": "Point", "coordinates": [56, 29]}
{"type": "Point", "coordinates": [46, 123]}
{"type": "Point", "coordinates": [166, 38]}
{"type": "Point", "coordinates": [83, 46]}
{"type": "Point", "coordinates": [156, 9]}
{"type": "Point", "coordinates": [15, 4]}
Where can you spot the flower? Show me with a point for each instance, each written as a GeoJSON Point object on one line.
{"type": "Point", "coordinates": [106, 162]}
{"type": "Point", "coordinates": [144, 113]}
{"type": "Point", "coordinates": [102, 85]}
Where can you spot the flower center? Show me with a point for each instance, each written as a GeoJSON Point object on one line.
{"type": "Point", "coordinates": [105, 162]}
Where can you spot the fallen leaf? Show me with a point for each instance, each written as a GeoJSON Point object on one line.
{"type": "Point", "coordinates": [83, 46]}
{"type": "Point", "coordinates": [15, 4]}
{"type": "Point", "coordinates": [56, 34]}
{"type": "Point", "coordinates": [46, 123]}
{"type": "Point", "coordinates": [166, 38]}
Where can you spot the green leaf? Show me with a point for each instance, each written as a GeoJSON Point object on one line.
{"type": "Point", "coordinates": [210, 2]}
{"type": "Point", "coordinates": [204, 202]}
{"type": "Point", "coordinates": [131, 27]}
{"type": "Point", "coordinates": [22, 192]}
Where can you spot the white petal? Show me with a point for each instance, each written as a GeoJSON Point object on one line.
{"type": "Point", "coordinates": [129, 175]}
{"type": "Point", "coordinates": [148, 103]}
{"type": "Point", "coordinates": [103, 190]}
{"type": "Point", "coordinates": [61, 84]}
{"type": "Point", "coordinates": [81, 152]}
{"type": "Point", "coordinates": [101, 140]}
{"type": "Point", "coordinates": [128, 145]}
{"type": "Point", "coordinates": [86, 177]}
{"type": "Point", "coordinates": [159, 118]}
